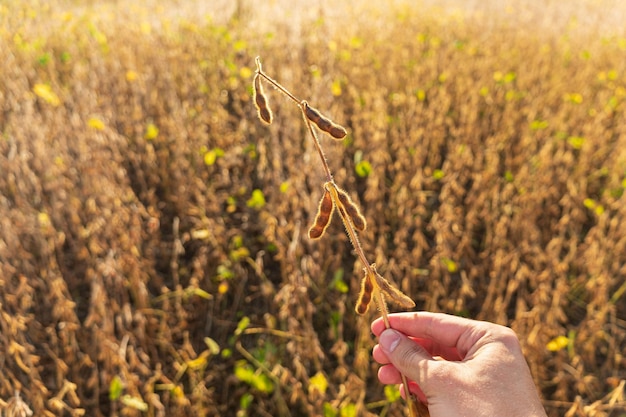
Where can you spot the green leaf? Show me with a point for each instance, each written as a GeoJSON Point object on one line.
{"type": "Point", "coordinates": [245, 401]}
{"type": "Point", "coordinates": [318, 382]}
{"type": "Point", "coordinates": [356, 42]}
{"type": "Point", "coordinates": [214, 348]}
{"type": "Point", "coordinates": [338, 283]}
{"type": "Point", "coordinates": [44, 59]}
{"type": "Point", "coordinates": [590, 203]}
{"type": "Point", "coordinates": [392, 393]}
{"type": "Point", "coordinates": [335, 319]}
{"type": "Point", "coordinates": [237, 241]}
{"type": "Point", "coordinates": [239, 254]}
{"type": "Point", "coordinates": [116, 387]}
{"type": "Point", "coordinates": [210, 157]}
{"type": "Point", "coordinates": [335, 88]}
{"type": "Point", "coordinates": [259, 381]}
{"type": "Point", "coordinates": [348, 410]}
{"type": "Point", "coordinates": [250, 150]}
{"type": "Point", "coordinates": [329, 410]}
{"type": "Point", "coordinates": [509, 77]}
{"type": "Point", "coordinates": [152, 131]}
{"type": "Point", "coordinates": [617, 192]}
{"type": "Point", "coordinates": [593, 205]}
{"type": "Point", "coordinates": [239, 45]}
{"type": "Point", "coordinates": [65, 57]}
{"type": "Point", "coordinates": [363, 169]}
{"type": "Point", "coordinates": [576, 142]}
{"type": "Point", "coordinates": [450, 265]}
{"type": "Point", "coordinates": [243, 371]}
{"type": "Point", "coordinates": [341, 286]}
{"type": "Point", "coordinates": [223, 272]}
{"type": "Point", "coordinates": [538, 124]}
{"type": "Point", "coordinates": [558, 343]}
{"type": "Point", "coordinates": [242, 325]}
{"type": "Point", "coordinates": [256, 200]}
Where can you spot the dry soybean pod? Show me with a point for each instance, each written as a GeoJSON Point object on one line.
{"type": "Point", "coordinates": [392, 293]}
{"type": "Point", "coordinates": [324, 123]}
{"type": "Point", "coordinates": [322, 219]}
{"type": "Point", "coordinates": [352, 210]}
{"type": "Point", "coordinates": [365, 295]}
{"type": "Point", "coordinates": [260, 101]}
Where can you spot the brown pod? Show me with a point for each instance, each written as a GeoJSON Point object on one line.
{"type": "Point", "coordinates": [392, 293]}
{"type": "Point", "coordinates": [352, 210]}
{"type": "Point", "coordinates": [260, 101]}
{"type": "Point", "coordinates": [322, 219]}
{"type": "Point", "coordinates": [365, 295]}
{"type": "Point", "coordinates": [324, 123]}
{"type": "Point", "coordinates": [337, 132]}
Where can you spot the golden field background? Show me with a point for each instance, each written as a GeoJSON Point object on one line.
{"type": "Point", "coordinates": [153, 249]}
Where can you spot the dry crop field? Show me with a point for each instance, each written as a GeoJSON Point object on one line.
{"type": "Point", "coordinates": [154, 257]}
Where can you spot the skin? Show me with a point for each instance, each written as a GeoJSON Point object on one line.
{"type": "Point", "coordinates": [457, 366]}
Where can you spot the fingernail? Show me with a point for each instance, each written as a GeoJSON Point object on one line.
{"type": "Point", "coordinates": [389, 340]}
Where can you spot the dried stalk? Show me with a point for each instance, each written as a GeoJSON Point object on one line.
{"type": "Point", "coordinates": [373, 285]}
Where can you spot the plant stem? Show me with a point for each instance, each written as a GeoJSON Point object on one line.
{"type": "Point", "coordinates": [318, 146]}
{"type": "Point", "coordinates": [300, 104]}
{"type": "Point", "coordinates": [377, 295]}
{"type": "Point", "coordinates": [276, 84]}
{"type": "Point", "coordinates": [412, 403]}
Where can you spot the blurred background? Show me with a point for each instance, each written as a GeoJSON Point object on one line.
{"type": "Point", "coordinates": [154, 257]}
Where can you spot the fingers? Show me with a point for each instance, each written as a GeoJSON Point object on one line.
{"type": "Point", "coordinates": [443, 335]}
{"type": "Point", "coordinates": [433, 348]}
{"type": "Point", "coordinates": [407, 357]}
{"type": "Point", "coordinates": [437, 326]}
{"type": "Point", "coordinates": [379, 356]}
{"type": "Point", "coordinates": [388, 374]}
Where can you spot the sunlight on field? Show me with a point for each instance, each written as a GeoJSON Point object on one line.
{"type": "Point", "coordinates": [154, 256]}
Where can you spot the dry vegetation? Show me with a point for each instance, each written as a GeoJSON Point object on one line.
{"type": "Point", "coordinates": [153, 249]}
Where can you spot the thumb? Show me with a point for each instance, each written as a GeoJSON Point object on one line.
{"type": "Point", "coordinates": [408, 357]}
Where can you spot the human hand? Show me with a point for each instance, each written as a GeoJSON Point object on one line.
{"type": "Point", "coordinates": [457, 366]}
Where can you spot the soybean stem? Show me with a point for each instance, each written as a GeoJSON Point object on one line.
{"type": "Point", "coordinates": [352, 234]}
{"type": "Point", "coordinates": [318, 147]}
{"type": "Point", "coordinates": [276, 83]}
